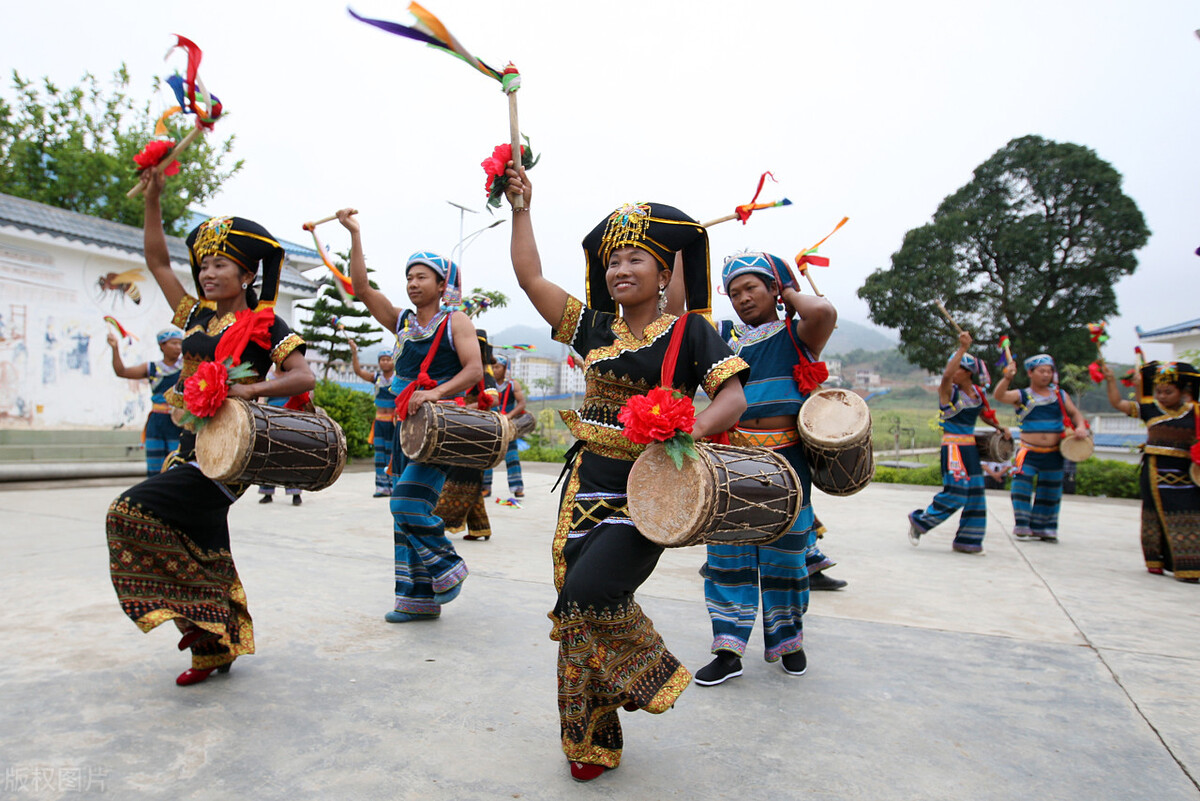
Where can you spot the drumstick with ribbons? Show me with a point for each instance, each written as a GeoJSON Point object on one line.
{"type": "Point", "coordinates": [341, 281]}
{"type": "Point", "coordinates": [154, 155]}
{"type": "Point", "coordinates": [809, 257]}
{"type": "Point", "coordinates": [430, 30]}
{"type": "Point", "coordinates": [744, 211]}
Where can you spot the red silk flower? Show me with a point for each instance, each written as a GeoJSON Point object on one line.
{"type": "Point", "coordinates": [495, 164]}
{"type": "Point", "coordinates": [205, 390]}
{"type": "Point", "coordinates": [1096, 373]}
{"type": "Point", "coordinates": [1195, 451]}
{"type": "Point", "coordinates": [657, 416]}
{"type": "Point", "coordinates": [154, 152]}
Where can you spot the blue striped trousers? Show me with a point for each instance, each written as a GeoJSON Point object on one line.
{"type": "Point", "coordinates": [1038, 514]}
{"type": "Point", "coordinates": [959, 493]}
{"type": "Point", "coordinates": [426, 562]}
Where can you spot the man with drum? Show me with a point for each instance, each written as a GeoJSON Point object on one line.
{"type": "Point", "coordinates": [512, 406]}
{"type": "Point", "coordinates": [961, 403]}
{"type": "Point", "coordinates": [383, 429]}
{"type": "Point", "coordinates": [437, 358]}
{"type": "Point", "coordinates": [781, 355]}
{"type": "Point", "coordinates": [1043, 410]}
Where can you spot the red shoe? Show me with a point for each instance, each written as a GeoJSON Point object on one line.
{"type": "Point", "coordinates": [194, 636]}
{"type": "Point", "coordinates": [197, 675]}
{"type": "Point", "coordinates": [1157, 571]}
{"type": "Point", "coordinates": [585, 772]}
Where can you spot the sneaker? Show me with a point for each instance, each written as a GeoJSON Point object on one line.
{"type": "Point", "coordinates": [1048, 539]}
{"type": "Point", "coordinates": [1024, 535]}
{"type": "Point", "coordinates": [382, 495]}
{"type": "Point", "coordinates": [725, 666]}
{"type": "Point", "coordinates": [820, 581]}
{"type": "Point", "coordinates": [266, 499]}
{"type": "Point", "coordinates": [449, 595]}
{"type": "Point", "coordinates": [404, 617]}
{"type": "Point", "coordinates": [914, 533]}
{"type": "Point", "coordinates": [296, 500]}
{"type": "Point", "coordinates": [795, 663]}
{"type": "Point", "coordinates": [971, 549]}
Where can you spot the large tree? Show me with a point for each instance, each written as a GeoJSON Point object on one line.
{"type": "Point", "coordinates": [73, 148]}
{"type": "Point", "coordinates": [1031, 248]}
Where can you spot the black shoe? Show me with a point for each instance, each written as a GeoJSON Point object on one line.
{"type": "Point", "coordinates": [820, 581]}
{"type": "Point", "coordinates": [265, 499]}
{"type": "Point", "coordinates": [725, 666]}
{"type": "Point", "coordinates": [295, 500]}
{"type": "Point", "coordinates": [795, 663]}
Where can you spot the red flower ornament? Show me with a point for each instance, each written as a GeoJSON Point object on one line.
{"type": "Point", "coordinates": [661, 415]}
{"type": "Point", "coordinates": [494, 166]}
{"type": "Point", "coordinates": [153, 153]}
{"type": "Point", "coordinates": [1195, 452]}
{"type": "Point", "coordinates": [205, 390]}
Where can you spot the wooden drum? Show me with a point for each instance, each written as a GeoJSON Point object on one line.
{"type": "Point", "coordinates": [835, 431]}
{"type": "Point", "coordinates": [1194, 473]}
{"type": "Point", "coordinates": [730, 495]}
{"type": "Point", "coordinates": [993, 447]}
{"type": "Point", "coordinates": [525, 423]}
{"type": "Point", "coordinates": [448, 434]}
{"type": "Point", "coordinates": [1077, 450]}
{"type": "Point", "coordinates": [251, 443]}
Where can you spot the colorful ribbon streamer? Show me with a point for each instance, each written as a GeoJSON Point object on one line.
{"type": "Point", "coordinates": [185, 87]}
{"type": "Point", "coordinates": [808, 256]}
{"type": "Point", "coordinates": [338, 276]}
{"type": "Point", "coordinates": [744, 211]}
{"type": "Point", "coordinates": [1097, 333]}
{"type": "Point", "coordinates": [121, 330]}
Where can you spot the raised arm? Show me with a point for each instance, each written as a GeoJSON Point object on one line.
{"type": "Point", "coordinates": [944, 389]}
{"type": "Point", "coordinates": [1001, 393]}
{"type": "Point", "coordinates": [154, 241]}
{"type": "Point", "coordinates": [376, 302]}
{"type": "Point", "coordinates": [817, 320]}
{"type": "Point", "coordinates": [1123, 405]}
{"type": "Point", "coordinates": [365, 375]}
{"type": "Point", "coordinates": [547, 297]}
{"type": "Point", "coordinates": [467, 345]}
{"type": "Point", "coordinates": [136, 371]}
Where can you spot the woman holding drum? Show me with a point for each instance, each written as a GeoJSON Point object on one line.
{"type": "Point", "coordinates": [437, 358]}
{"type": "Point", "coordinates": [1170, 496]}
{"type": "Point", "coordinates": [961, 402]}
{"type": "Point", "coordinates": [782, 356]}
{"type": "Point", "coordinates": [168, 537]}
{"type": "Point", "coordinates": [1044, 410]}
{"type": "Point", "coordinates": [610, 657]}
{"type": "Point", "coordinates": [512, 406]}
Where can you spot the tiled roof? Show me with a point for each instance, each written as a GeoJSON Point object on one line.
{"type": "Point", "coordinates": [1177, 328]}
{"type": "Point", "coordinates": [40, 218]}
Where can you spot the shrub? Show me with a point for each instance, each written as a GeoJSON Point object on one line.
{"type": "Point", "coordinates": [1107, 478]}
{"type": "Point", "coordinates": [928, 476]}
{"type": "Point", "coordinates": [543, 453]}
{"type": "Point", "coordinates": [353, 410]}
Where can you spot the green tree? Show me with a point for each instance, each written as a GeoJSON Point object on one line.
{"type": "Point", "coordinates": [1032, 248]}
{"type": "Point", "coordinates": [321, 333]}
{"type": "Point", "coordinates": [495, 300]}
{"type": "Point", "coordinates": [73, 148]}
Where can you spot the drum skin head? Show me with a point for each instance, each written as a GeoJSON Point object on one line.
{"type": "Point", "coordinates": [414, 431]}
{"type": "Point", "coordinates": [1077, 450]}
{"type": "Point", "coordinates": [223, 445]}
{"type": "Point", "coordinates": [834, 418]}
{"type": "Point", "coordinates": [669, 505]}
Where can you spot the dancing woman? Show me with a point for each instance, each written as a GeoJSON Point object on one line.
{"type": "Point", "coordinates": [610, 657]}
{"type": "Point", "coordinates": [437, 358]}
{"type": "Point", "coordinates": [1170, 498]}
{"type": "Point", "coordinates": [168, 537]}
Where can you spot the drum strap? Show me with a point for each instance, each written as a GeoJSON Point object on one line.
{"type": "Point", "coordinates": [423, 380]}
{"type": "Point", "coordinates": [988, 413]}
{"type": "Point", "coordinates": [672, 356]}
{"type": "Point", "coordinates": [1067, 422]}
{"type": "Point", "coordinates": [808, 374]}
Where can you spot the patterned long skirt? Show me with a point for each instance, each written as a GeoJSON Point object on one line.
{"type": "Point", "coordinates": [461, 505]}
{"type": "Point", "coordinates": [168, 545]}
{"type": "Point", "coordinates": [609, 654]}
{"type": "Point", "coordinates": [1170, 517]}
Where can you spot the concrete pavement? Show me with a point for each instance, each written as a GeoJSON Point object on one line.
{"type": "Point", "coordinates": [1035, 671]}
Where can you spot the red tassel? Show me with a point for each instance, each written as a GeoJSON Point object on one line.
{"type": "Point", "coordinates": [809, 375]}
{"type": "Point", "coordinates": [249, 326]}
{"type": "Point", "coordinates": [298, 402]}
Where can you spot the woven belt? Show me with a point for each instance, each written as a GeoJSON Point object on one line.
{"type": "Point", "coordinates": [1038, 448]}
{"type": "Point", "coordinates": [385, 415]}
{"type": "Point", "coordinates": [958, 439]}
{"type": "Point", "coordinates": [1162, 450]}
{"type": "Point", "coordinates": [770, 438]}
{"type": "Point", "coordinates": [161, 408]}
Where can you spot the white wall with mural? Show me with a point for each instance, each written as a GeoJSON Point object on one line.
{"type": "Point", "coordinates": [55, 362]}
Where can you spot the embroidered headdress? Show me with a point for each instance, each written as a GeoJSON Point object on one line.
{"type": "Point", "coordinates": [1181, 374]}
{"type": "Point", "coordinates": [447, 271]}
{"type": "Point", "coordinates": [660, 230]}
{"type": "Point", "coordinates": [765, 265]}
{"type": "Point", "coordinates": [168, 333]}
{"type": "Point", "coordinates": [976, 367]}
{"type": "Point", "coordinates": [1038, 360]}
{"type": "Point", "coordinates": [244, 242]}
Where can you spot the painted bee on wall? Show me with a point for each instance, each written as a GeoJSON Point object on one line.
{"type": "Point", "coordinates": [124, 284]}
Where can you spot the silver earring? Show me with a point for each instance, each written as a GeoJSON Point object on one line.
{"type": "Point", "coordinates": [245, 286]}
{"type": "Point", "coordinates": [662, 299]}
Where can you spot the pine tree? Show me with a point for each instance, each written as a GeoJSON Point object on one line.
{"type": "Point", "coordinates": [322, 334]}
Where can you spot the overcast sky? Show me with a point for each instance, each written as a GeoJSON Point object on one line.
{"type": "Point", "coordinates": [875, 111]}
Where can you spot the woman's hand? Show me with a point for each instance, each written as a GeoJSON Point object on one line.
{"type": "Point", "coordinates": [419, 397]}
{"type": "Point", "coordinates": [242, 391]}
{"type": "Point", "coordinates": [112, 340]}
{"type": "Point", "coordinates": [152, 183]}
{"type": "Point", "coordinates": [518, 185]}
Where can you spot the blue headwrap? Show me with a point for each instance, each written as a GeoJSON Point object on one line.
{"type": "Point", "coordinates": [502, 359]}
{"type": "Point", "coordinates": [1038, 360]}
{"type": "Point", "coordinates": [168, 333]}
{"type": "Point", "coordinates": [757, 263]}
{"type": "Point", "coordinates": [446, 270]}
{"type": "Point", "coordinates": [977, 368]}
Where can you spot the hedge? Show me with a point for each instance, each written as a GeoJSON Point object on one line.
{"type": "Point", "coordinates": [1095, 478]}
{"type": "Point", "coordinates": [353, 410]}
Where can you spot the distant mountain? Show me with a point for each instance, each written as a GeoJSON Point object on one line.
{"type": "Point", "coordinates": [538, 336]}
{"type": "Point", "coordinates": [849, 336]}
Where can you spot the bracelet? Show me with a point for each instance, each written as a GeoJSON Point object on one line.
{"type": "Point", "coordinates": [522, 209]}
